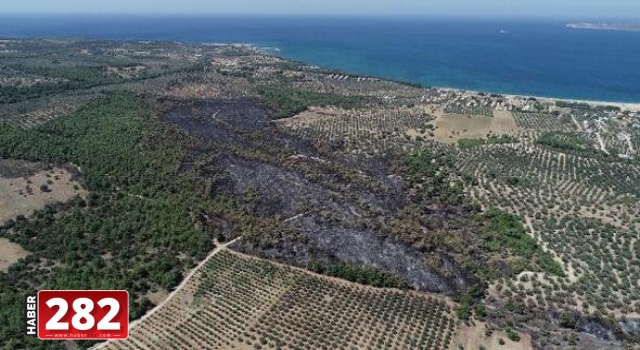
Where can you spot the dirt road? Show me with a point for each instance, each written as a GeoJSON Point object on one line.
{"type": "Point", "coordinates": [177, 290]}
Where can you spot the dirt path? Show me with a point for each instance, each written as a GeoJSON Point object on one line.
{"type": "Point", "coordinates": [573, 118]}
{"type": "Point", "coordinates": [629, 143]}
{"type": "Point", "coordinates": [601, 142]}
{"type": "Point", "coordinates": [176, 290]}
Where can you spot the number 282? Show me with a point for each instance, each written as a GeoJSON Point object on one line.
{"type": "Point", "coordinates": [82, 308]}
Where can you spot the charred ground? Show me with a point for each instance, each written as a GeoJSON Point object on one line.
{"type": "Point", "coordinates": [325, 217]}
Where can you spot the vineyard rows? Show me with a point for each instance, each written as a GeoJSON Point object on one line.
{"type": "Point", "coordinates": [615, 145]}
{"type": "Point", "coordinates": [543, 165]}
{"type": "Point", "coordinates": [372, 132]}
{"type": "Point", "coordinates": [469, 110]}
{"type": "Point", "coordinates": [33, 119]}
{"type": "Point", "coordinates": [542, 122]}
{"type": "Point", "coordinates": [239, 302]}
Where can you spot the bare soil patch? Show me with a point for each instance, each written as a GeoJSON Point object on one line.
{"type": "Point", "coordinates": [452, 127]}
{"type": "Point", "coordinates": [10, 253]}
{"type": "Point", "coordinates": [23, 195]}
{"type": "Point", "coordinates": [473, 337]}
{"type": "Point", "coordinates": [310, 116]}
{"type": "Point", "coordinates": [158, 296]}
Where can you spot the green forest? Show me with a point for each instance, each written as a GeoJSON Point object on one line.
{"type": "Point", "coordinates": [130, 230]}
{"type": "Point", "coordinates": [290, 102]}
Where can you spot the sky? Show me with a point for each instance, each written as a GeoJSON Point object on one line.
{"type": "Point", "coordinates": [575, 9]}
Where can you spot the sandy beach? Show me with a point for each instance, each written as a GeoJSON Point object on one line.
{"type": "Point", "coordinates": [623, 105]}
{"type": "Point", "coordinates": [630, 106]}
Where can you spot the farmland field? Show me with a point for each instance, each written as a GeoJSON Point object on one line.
{"type": "Point", "coordinates": [452, 127]}
{"type": "Point", "coordinates": [240, 302]}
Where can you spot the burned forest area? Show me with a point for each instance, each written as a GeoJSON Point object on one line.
{"type": "Point", "coordinates": [216, 179]}
{"type": "Point", "coordinates": [329, 211]}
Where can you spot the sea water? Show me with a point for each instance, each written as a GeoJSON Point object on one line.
{"type": "Point", "coordinates": [527, 57]}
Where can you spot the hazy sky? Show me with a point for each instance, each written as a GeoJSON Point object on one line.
{"type": "Point", "coordinates": [484, 8]}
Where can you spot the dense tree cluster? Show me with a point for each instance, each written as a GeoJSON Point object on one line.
{"type": "Point", "coordinates": [134, 231]}
{"type": "Point", "coordinates": [562, 141]}
{"type": "Point", "coordinates": [361, 274]}
{"type": "Point", "coordinates": [430, 174]}
{"type": "Point", "coordinates": [289, 101]}
{"type": "Point", "coordinates": [507, 231]}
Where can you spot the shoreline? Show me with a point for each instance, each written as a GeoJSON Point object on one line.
{"type": "Point", "coordinates": [274, 51]}
{"type": "Point", "coordinates": [625, 106]}
{"type": "Point", "coordinates": [628, 106]}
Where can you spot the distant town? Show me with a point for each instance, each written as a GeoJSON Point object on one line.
{"type": "Point", "coordinates": [605, 26]}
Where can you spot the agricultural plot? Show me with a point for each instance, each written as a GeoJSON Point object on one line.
{"type": "Point", "coordinates": [455, 108]}
{"type": "Point", "coordinates": [33, 112]}
{"type": "Point", "coordinates": [541, 164]}
{"type": "Point", "coordinates": [239, 302]}
{"type": "Point", "coordinates": [372, 131]}
{"type": "Point", "coordinates": [193, 91]}
{"type": "Point", "coordinates": [382, 89]}
{"type": "Point", "coordinates": [32, 119]}
{"type": "Point", "coordinates": [635, 142]}
{"type": "Point", "coordinates": [26, 81]}
{"type": "Point", "coordinates": [616, 145]}
{"type": "Point", "coordinates": [452, 127]}
{"type": "Point", "coordinates": [582, 210]}
{"type": "Point", "coordinates": [596, 252]}
{"type": "Point", "coordinates": [572, 142]}
{"type": "Point", "coordinates": [543, 122]}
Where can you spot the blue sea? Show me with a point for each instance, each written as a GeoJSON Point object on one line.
{"type": "Point", "coordinates": [528, 57]}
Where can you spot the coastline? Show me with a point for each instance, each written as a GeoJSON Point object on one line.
{"type": "Point", "coordinates": [566, 63]}
{"type": "Point", "coordinates": [629, 106]}
{"type": "Point", "coordinates": [633, 107]}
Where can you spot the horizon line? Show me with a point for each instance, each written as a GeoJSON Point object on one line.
{"type": "Point", "coordinates": [319, 15]}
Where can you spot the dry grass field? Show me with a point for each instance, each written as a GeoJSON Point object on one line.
{"type": "Point", "coordinates": [474, 336]}
{"type": "Point", "coordinates": [23, 195]}
{"type": "Point", "coordinates": [452, 127]}
{"type": "Point", "coordinates": [10, 253]}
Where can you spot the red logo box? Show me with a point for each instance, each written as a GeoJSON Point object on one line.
{"type": "Point", "coordinates": [83, 315]}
